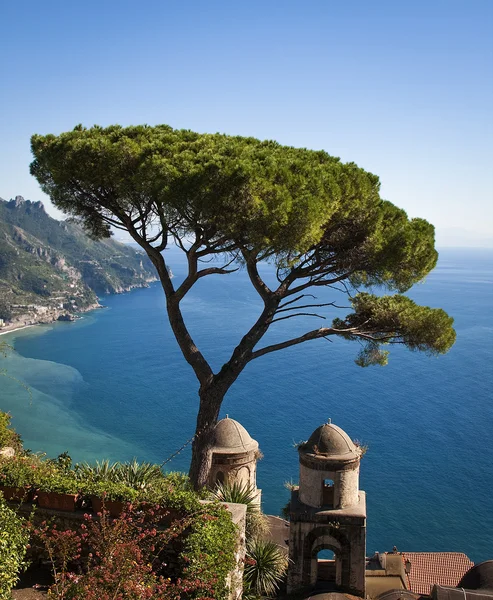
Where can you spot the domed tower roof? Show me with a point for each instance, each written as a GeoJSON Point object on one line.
{"type": "Point", "coordinates": [331, 442]}
{"type": "Point", "coordinates": [230, 437]}
{"type": "Point", "coordinates": [479, 577]}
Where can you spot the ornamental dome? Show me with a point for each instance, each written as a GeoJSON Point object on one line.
{"type": "Point", "coordinates": [479, 577]}
{"type": "Point", "coordinates": [330, 441]}
{"type": "Point", "coordinates": [230, 437]}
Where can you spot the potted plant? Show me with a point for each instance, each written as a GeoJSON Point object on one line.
{"type": "Point", "coordinates": [16, 478]}
{"type": "Point", "coordinates": [110, 496]}
{"type": "Point", "coordinates": [57, 490]}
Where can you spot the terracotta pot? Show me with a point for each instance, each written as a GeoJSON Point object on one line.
{"type": "Point", "coordinates": [114, 507]}
{"type": "Point", "coordinates": [15, 494]}
{"type": "Point", "coordinates": [56, 501]}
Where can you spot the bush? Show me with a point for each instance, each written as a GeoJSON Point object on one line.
{"type": "Point", "coordinates": [119, 558]}
{"type": "Point", "coordinates": [209, 549]}
{"type": "Point", "coordinates": [18, 471]}
{"type": "Point", "coordinates": [13, 541]}
{"type": "Point", "coordinates": [109, 490]}
{"type": "Point", "coordinates": [8, 437]}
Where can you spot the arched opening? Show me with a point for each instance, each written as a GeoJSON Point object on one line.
{"type": "Point", "coordinates": [219, 477]}
{"type": "Point", "coordinates": [328, 492]}
{"type": "Point", "coordinates": [326, 555]}
{"type": "Point", "coordinates": [326, 570]}
{"type": "Point", "coordinates": [243, 477]}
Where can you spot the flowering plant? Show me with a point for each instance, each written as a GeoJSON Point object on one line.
{"type": "Point", "coordinates": [117, 558]}
{"type": "Point", "coordinates": [18, 471]}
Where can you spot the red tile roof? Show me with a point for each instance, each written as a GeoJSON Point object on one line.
{"type": "Point", "coordinates": [427, 568]}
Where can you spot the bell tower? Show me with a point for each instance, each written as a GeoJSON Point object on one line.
{"type": "Point", "coordinates": [234, 457]}
{"type": "Point", "coordinates": [328, 512]}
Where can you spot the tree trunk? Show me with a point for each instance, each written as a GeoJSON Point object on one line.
{"type": "Point", "coordinates": [210, 404]}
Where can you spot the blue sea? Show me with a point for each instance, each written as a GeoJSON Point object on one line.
{"type": "Point", "coordinates": [115, 385]}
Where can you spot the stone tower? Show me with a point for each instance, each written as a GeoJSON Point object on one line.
{"type": "Point", "coordinates": [234, 456]}
{"type": "Point", "coordinates": [328, 512]}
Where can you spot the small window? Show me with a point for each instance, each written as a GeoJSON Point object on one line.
{"type": "Point", "coordinates": [220, 477]}
{"type": "Point", "coordinates": [328, 492]}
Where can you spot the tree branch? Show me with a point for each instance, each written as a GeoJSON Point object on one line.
{"type": "Point", "coordinates": [298, 315]}
{"type": "Point", "coordinates": [323, 332]}
{"type": "Point", "coordinates": [279, 310]}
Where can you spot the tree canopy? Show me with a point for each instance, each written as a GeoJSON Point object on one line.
{"type": "Point", "coordinates": [319, 221]}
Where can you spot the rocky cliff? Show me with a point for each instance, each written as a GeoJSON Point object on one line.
{"type": "Point", "coordinates": [51, 268]}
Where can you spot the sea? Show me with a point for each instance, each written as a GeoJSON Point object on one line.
{"type": "Point", "coordinates": [115, 385]}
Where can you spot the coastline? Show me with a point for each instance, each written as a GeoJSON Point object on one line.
{"type": "Point", "coordinates": [11, 328]}
{"type": "Point", "coordinates": [19, 325]}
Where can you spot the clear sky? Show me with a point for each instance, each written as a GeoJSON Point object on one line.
{"type": "Point", "coordinates": [403, 88]}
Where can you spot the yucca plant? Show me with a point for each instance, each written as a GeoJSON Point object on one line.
{"type": "Point", "coordinates": [265, 567]}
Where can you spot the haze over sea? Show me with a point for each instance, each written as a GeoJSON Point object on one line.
{"type": "Point", "coordinates": [114, 384]}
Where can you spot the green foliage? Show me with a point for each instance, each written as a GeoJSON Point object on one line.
{"type": "Point", "coordinates": [8, 437]}
{"type": "Point", "coordinates": [278, 199]}
{"type": "Point", "coordinates": [133, 474]}
{"type": "Point", "coordinates": [265, 566]}
{"type": "Point", "coordinates": [165, 493]}
{"type": "Point", "coordinates": [207, 536]}
{"type": "Point", "coordinates": [16, 472]}
{"type": "Point", "coordinates": [56, 480]}
{"type": "Point", "coordinates": [100, 471]}
{"type": "Point", "coordinates": [138, 475]}
{"type": "Point", "coordinates": [109, 490]}
{"type": "Point", "coordinates": [208, 549]}
{"type": "Point", "coordinates": [256, 524]}
{"type": "Point", "coordinates": [145, 481]}
{"type": "Point", "coordinates": [63, 461]}
{"type": "Point", "coordinates": [123, 559]}
{"type": "Point", "coordinates": [314, 217]}
{"type": "Point", "coordinates": [13, 542]}
{"type": "Point", "coordinates": [238, 493]}
{"type": "Point", "coordinates": [396, 319]}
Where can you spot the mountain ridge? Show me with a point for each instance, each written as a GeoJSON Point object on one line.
{"type": "Point", "coordinates": [51, 269]}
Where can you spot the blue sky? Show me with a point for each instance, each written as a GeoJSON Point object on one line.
{"type": "Point", "coordinates": [404, 89]}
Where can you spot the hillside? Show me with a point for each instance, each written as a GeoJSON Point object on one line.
{"type": "Point", "coordinates": [51, 269]}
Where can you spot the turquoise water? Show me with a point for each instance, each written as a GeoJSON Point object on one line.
{"type": "Point", "coordinates": [114, 385]}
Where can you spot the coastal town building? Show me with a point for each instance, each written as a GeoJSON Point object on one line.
{"type": "Point", "coordinates": [328, 512]}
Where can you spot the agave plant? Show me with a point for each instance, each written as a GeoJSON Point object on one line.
{"type": "Point", "coordinates": [236, 493]}
{"type": "Point", "coordinates": [256, 523]}
{"type": "Point", "coordinates": [137, 475]}
{"type": "Point", "coordinates": [265, 567]}
{"type": "Point", "coordinates": [100, 471]}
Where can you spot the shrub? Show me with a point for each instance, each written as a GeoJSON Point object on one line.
{"type": "Point", "coordinates": [124, 560]}
{"type": "Point", "coordinates": [13, 541]}
{"type": "Point", "coordinates": [209, 548]}
{"type": "Point", "coordinates": [110, 490]}
{"type": "Point", "coordinates": [18, 471]}
{"type": "Point", "coordinates": [8, 437]}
